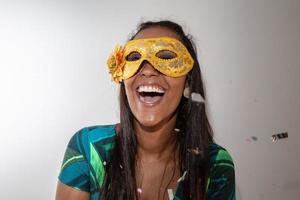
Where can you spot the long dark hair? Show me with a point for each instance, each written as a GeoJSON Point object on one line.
{"type": "Point", "coordinates": [194, 137]}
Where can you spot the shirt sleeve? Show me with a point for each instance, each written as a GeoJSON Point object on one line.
{"type": "Point", "coordinates": [221, 183]}
{"type": "Point", "coordinates": [75, 169]}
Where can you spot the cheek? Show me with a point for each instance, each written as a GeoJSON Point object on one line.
{"type": "Point", "coordinates": [176, 96]}
{"type": "Point", "coordinates": [177, 85]}
{"type": "Point", "coordinates": [176, 91]}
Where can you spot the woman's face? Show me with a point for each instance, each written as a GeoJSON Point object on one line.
{"type": "Point", "coordinates": [154, 97]}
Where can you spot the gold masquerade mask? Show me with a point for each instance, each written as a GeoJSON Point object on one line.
{"type": "Point", "coordinates": [168, 55]}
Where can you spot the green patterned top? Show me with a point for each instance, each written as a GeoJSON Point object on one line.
{"type": "Point", "coordinates": [89, 149]}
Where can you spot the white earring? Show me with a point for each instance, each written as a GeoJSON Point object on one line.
{"type": "Point", "coordinates": [196, 97]}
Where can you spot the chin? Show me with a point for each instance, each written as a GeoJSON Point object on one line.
{"type": "Point", "coordinates": [149, 122]}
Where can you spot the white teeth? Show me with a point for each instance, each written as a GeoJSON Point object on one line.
{"type": "Point", "coordinates": [145, 88]}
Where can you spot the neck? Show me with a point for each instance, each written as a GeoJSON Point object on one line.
{"type": "Point", "coordinates": [156, 144]}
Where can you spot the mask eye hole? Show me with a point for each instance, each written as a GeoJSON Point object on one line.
{"type": "Point", "coordinates": [166, 54]}
{"type": "Point", "coordinates": [133, 56]}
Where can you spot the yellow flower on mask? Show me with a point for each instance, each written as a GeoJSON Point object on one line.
{"type": "Point", "coordinates": [116, 64]}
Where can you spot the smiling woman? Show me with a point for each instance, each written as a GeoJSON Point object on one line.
{"type": "Point", "coordinates": [163, 147]}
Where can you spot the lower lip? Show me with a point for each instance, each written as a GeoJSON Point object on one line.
{"type": "Point", "coordinates": [150, 101]}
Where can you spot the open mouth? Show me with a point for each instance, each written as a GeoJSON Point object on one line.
{"type": "Point", "coordinates": [150, 94]}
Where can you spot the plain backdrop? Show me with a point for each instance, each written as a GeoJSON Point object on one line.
{"type": "Point", "coordinates": [54, 81]}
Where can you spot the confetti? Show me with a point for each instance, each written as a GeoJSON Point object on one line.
{"type": "Point", "coordinates": [195, 151]}
{"type": "Point", "coordinates": [182, 177]}
{"type": "Point", "coordinates": [248, 140]}
{"type": "Point", "coordinates": [170, 193]}
{"type": "Point", "coordinates": [177, 130]}
{"type": "Point", "coordinates": [279, 136]}
{"type": "Point", "coordinates": [254, 138]}
{"type": "Point", "coordinates": [139, 190]}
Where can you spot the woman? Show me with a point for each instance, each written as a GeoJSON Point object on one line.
{"type": "Point", "coordinates": [163, 147]}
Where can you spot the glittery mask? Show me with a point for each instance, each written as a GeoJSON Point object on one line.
{"type": "Point", "coordinates": [168, 55]}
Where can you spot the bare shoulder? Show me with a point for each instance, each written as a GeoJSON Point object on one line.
{"type": "Point", "coordinates": [65, 192]}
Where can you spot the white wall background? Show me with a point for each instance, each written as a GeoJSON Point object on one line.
{"type": "Point", "coordinates": [53, 81]}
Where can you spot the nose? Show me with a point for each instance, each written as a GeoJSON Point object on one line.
{"type": "Point", "coordinates": [148, 70]}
